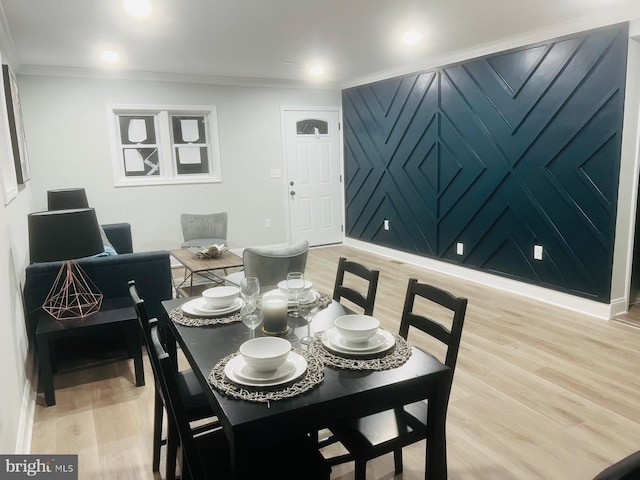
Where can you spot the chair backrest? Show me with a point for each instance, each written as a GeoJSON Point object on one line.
{"type": "Point", "coordinates": [448, 336]}
{"type": "Point", "coordinates": [174, 402]}
{"type": "Point", "coordinates": [340, 290]}
{"type": "Point", "coordinates": [141, 309]}
{"type": "Point", "coordinates": [143, 321]}
{"type": "Point", "coordinates": [271, 265]}
{"type": "Point", "coordinates": [210, 228]}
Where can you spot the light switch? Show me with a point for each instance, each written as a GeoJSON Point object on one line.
{"type": "Point", "coordinates": [460, 248]}
{"type": "Point", "coordinates": [275, 173]}
{"type": "Point", "coordinates": [386, 224]}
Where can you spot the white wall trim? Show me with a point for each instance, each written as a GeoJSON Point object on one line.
{"type": "Point", "coordinates": [577, 304]}
{"type": "Point", "coordinates": [74, 72]}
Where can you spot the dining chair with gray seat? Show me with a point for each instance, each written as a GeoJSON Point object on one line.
{"type": "Point", "coordinates": [359, 279]}
{"type": "Point", "coordinates": [271, 264]}
{"type": "Point", "coordinates": [196, 405]}
{"type": "Point", "coordinates": [440, 315]}
{"type": "Point", "coordinates": [208, 454]}
{"type": "Point", "coordinates": [204, 230]}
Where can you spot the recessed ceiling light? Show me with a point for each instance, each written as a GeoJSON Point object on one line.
{"type": "Point", "coordinates": [411, 37]}
{"type": "Point", "coordinates": [109, 56]}
{"type": "Point", "coordinates": [137, 8]}
{"type": "Point", "coordinates": [316, 70]}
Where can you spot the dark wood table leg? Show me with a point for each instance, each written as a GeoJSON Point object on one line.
{"type": "Point", "coordinates": [46, 372]}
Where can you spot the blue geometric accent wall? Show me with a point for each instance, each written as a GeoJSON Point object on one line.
{"type": "Point", "coordinates": [501, 153]}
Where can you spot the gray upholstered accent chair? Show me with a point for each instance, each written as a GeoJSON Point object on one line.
{"type": "Point", "coordinates": [203, 230]}
{"type": "Point", "coordinates": [271, 264]}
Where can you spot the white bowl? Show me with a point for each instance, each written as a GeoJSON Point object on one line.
{"type": "Point", "coordinates": [282, 286]}
{"type": "Point", "coordinates": [356, 328]}
{"type": "Point", "coordinates": [220, 297]}
{"type": "Point", "coordinates": [265, 354]}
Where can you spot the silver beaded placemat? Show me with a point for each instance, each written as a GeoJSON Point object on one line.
{"type": "Point", "coordinates": [311, 378]}
{"type": "Point", "coordinates": [395, 357]}
{"type": "Point", "coordinates": [178, 316]}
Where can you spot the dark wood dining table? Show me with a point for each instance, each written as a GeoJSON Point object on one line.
{"type": "Point", "coordinates": [342, 394]}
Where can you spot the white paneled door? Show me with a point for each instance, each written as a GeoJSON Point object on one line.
{"type": "Point", "coordinates": [312, 150]}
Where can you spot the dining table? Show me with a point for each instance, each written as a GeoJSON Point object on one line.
{"type": "Point", "coordinates": [341, 394]}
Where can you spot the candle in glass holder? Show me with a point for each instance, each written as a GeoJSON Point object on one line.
{"type": "Point", "coordinates": [274, 314]}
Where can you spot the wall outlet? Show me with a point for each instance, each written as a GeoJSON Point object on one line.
{"type": "Point", "coordinates": [386, 224]}
{"type": "Point", "coordinates": [537, 252]}
{"type": "Point", "coordinates": [267, 223]}
{"type": "Point", "coordinates": [275, 173]}
{"type": "Point", "coordinates": [460, 248]}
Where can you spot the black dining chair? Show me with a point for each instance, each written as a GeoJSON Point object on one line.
{"type": "Point", "coordinates": [207, 454]}
{"type": "Point", "coordinates": [369, 437]}
{"type": "Point", "coordinates": [353, 290]}
{"type": "Point", "coordinates": [197, 406]}
{"type": "Point", "coordinates": [626, 469]}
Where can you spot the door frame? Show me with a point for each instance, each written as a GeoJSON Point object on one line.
{"type": "Point", "coordinates": [285, 161]}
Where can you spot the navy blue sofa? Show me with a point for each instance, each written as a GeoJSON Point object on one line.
{"type": "Point", "coordinates": [111, 274]}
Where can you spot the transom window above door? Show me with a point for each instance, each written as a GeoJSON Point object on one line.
{"type": "Point", "coordinates": [311, 126]}
{"type": "Point", "coordinates": [160, 145]}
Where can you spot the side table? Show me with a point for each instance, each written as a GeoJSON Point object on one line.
{"type": "Point", "coordinates": [114, 314]}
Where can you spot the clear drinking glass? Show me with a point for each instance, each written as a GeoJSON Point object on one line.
{"type": "Point", "coordinates": [250, 289]}
{"type": "Point", "coordinates": [251, 312]}
{"type": "Point", "coordinates": [308, 309]}
{"type": "Point", "coordinates": [295, 285]}
{"type": "Point", "coordinates": [251, 315]}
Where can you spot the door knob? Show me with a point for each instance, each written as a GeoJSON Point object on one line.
{"type": "Point", "coordinates": [292, 193]}
{"type": "Point", "coordinates": [291, 183]}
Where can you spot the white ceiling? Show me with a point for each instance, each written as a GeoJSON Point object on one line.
{"type": "Point", "coordinates": [274, 41]}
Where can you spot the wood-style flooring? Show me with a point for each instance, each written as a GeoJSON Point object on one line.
{"type": "Point", "coordinates": [539, 392]}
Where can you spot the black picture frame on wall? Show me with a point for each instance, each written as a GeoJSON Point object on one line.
{"type": "Point", "coordinates": [16, 126]}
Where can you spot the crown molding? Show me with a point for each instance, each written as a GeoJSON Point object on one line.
{"type": "Point", "coordinates": [631, 14]}
{"type": "Point", "coordinates": [171, 77]}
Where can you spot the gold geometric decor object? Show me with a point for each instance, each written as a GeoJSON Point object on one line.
{"type": "Point", "coordinates": [72, 294]}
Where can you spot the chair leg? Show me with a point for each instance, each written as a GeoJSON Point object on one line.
{"type": "Point", "coordinates": [361, 470]}
{"type": "Point", "coordinates": [397, 460]}
{"type": "Point", "coordinates": [158, 410]}
{"type": "Point", "coordinates": [172, 449]}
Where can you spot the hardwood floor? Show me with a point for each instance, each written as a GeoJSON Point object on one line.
{"type": "Point", "coordinates": [539, 392]}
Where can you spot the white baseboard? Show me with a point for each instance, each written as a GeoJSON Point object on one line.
{"type": "Point", "coordinates": [584, 306]}
{"type": "Point", "coordinates": [27, 412]}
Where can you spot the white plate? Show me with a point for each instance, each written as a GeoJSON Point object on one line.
{"type": "Point", "coordinates": [282, 286]}
{"type": "Point", "coordinates": [380, 342]}
{"type": "Point", "coordinates": [291, 302]}
{"type": "Point", "coordinates": [237, 363]}
{"type": "Point", "coordinates": [197, 307]}
{"type": "Point", "coordinates": [244, 371]}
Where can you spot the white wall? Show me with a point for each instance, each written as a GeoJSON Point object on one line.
{"type": "Point", "coordinates": [66, 128]}
{"type": "Point", "coordinates": [17, 397]}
